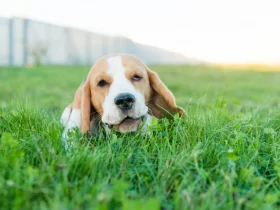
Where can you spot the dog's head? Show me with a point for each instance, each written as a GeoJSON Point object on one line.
{"type": "Point", "coordinates": [120, 91]}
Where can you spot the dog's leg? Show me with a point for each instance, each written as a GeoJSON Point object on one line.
{"type": "Point", "coordinates": [74, 120]}
{"type": "Point", "coordinates": [147, 123]}
{"type": "Point", "coordinates": [66, 115]}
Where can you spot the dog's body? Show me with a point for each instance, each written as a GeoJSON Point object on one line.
{"type": "Point", "coordinates": [120, 93]}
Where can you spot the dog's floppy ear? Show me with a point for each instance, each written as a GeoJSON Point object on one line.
{"type": "Point", "coordinates": [89, 116]}
{"type": "Point", "coordinates": [85, 107]}
{"type": "Point", "coordinates": [162, 102]}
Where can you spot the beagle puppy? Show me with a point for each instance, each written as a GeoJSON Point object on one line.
{"type": "Point", "coordinates": [120, 93]}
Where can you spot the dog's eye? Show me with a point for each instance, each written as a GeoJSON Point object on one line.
{"type": "Point", "coordinates": [136, 77]}
{"type": "Point", "coordinates": [102, 83]}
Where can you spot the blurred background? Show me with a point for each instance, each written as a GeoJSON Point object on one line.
{"type": "Point", "coordinates": [159, 31]}
{"type": "Point", "coordinates": [203, 50]}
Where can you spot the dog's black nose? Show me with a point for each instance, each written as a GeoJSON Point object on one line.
{"type": "Point", "coordinates": [125, 101]}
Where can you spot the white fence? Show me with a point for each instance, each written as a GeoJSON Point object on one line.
{"type": "Point", "coordinates": [4, 44]}
{"type": "Point", "coordinates": [26, 41]}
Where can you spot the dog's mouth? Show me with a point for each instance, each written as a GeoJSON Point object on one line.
{"type": "Point", "coordinates": [128, 124]}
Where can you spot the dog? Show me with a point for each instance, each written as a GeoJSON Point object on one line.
{"type": "Point", "coordinates": [120, 93]}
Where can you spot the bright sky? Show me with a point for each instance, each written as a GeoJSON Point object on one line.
{"type": "Point", "coordinates": [228, 31]}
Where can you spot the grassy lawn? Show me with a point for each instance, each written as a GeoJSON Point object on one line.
{"type": "Point", "coordinates": [224, 155]}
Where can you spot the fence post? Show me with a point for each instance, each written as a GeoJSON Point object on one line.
{"type": "Point", "coordinates": [11, 41]}
{"type": "Point", "coordinates": [25, 41]}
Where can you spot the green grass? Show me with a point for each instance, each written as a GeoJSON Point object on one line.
{"type": "Point", "coordinates": [224, 155]}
